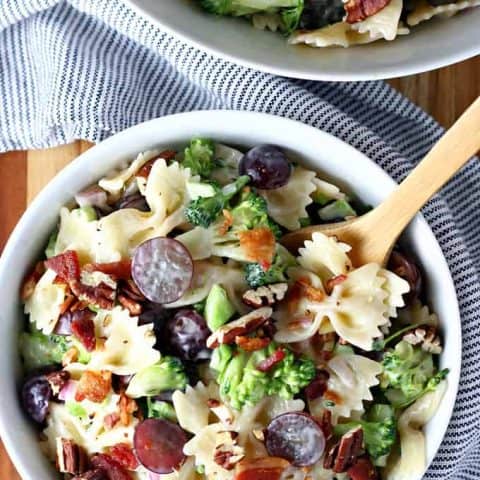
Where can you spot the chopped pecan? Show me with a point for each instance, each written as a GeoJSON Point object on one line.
{"type": "Point", "coordinates": [242, 326]}
{"type": "Point", "coordinates": [318, 386]}
{"type": "Point", "coordinates": [332, 282]}
{"type": "Point", "coordinates": [342, 455]}
{"type": "Point", "coordinates": [267, 295]}
{"type": "Point", "coordinates": [270, 468]}
{"type": "Point", "coordinates": [128, 406]}
{"type": "Point", "coordinates": [258, 245]}
{"type": "Point", "coordinates": [405, 267]}
{"type": "Point", "coordinates": [121, 270]}
{"type": "Point", "coordinates": [359, 10]}
{"type": "Point", "coordinates": [251, 344]}
{"type": "Point", "coordinates": [102, 296]}
{"type": "Point", "coordinates": [227, 451]}
{"type": "Point", "coordinates": [425, 336]}
{"type": "Point", "coordinates": [57, 380]}
{"type": "Point", "coordinates": [276, 357]}
{"type": "Point", "coordinates": [129, 289]}
{"type": "Point", "coordinates": [363, 469]}
{"type": "Point", "coordinates": [71, 458]}
{"type": "Point", "coordinates": [70, 356]}
{"type": "Point", "coordinates": [31, 281]}
{"type": "Point", "coordinates": [133, 307]}
{"type": "Point", "coordinates": [94, 386]}
{"type": "Point", "coordinates": [326, 425]}
{"type": "Point", "coordinates": [96, 474]}
{"type": "Point", "coordinates": [110, 420]}
{"type": "Point", "coordinates": [222, 411]}
{"type": "Point", "coordinates": [145, 170]}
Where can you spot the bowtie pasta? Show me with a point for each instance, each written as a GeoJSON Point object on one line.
{"type": "Point", "coordinates": [325, 23]}
{"type": "Point", "coordinates": [169, 334]}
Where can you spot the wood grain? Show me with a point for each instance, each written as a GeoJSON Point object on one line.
{"type": "Point", "coordinates": [444, 93]}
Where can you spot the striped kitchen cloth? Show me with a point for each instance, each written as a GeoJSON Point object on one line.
{"type": "Point", "coordinates": [89, 68]}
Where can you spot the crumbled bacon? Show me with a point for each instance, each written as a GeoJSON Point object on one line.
{"type": "Point", "coordinates": [363, 469]}
{"type": "Point", "coordinates": [113, 469]}
{"type": "Point", "coordinates": [326, 424]}
{"type": "Point", "coordinates": [266, 468]}
{"type": "Point", "coordinates": [94, 386]}
{"type": "Point", "coordinates": [123, 454]}
{"type": "Point", "coordinates": [318, 386]}
{"type": "Point", "coordinates": [101, 296]}
{"type": "Point", "coordinates": [250, 344]}
{"type": "Point", "coordinates": [31, 281]}
{"type": "Point", "coordinates": [227, 222]}
{"type": "Point", "coordinates": [258, 245]}
{"type": "Point", "coordinates": [144, 172]}
{"type": "Point", "coordinates": [332, 282]}
{"type": "Point", "coordinates": [276, 357]}
{"type": "Point", "coordinates": [127, 407]}
{"type": "Point", "coordinates": [121, 270]}
{"type": "Point", "coordinates": [342, 455]}
{"type": "Point", "coordinates": [83, 328]}
{"type": "Point", "coordinates": [66, 265]}
{"type": "Point", "coordinates": [110, 420]}
{"type": "Point", "coordinates": [359, 10]}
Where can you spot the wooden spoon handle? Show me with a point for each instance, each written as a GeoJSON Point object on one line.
{"type": "Point", "coordinates": [449, 154]}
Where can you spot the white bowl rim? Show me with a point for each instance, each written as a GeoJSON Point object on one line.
{"type": "Point", "coordinates": [198, 120]}
{"type": "Point", "coordinates": [306, 74]}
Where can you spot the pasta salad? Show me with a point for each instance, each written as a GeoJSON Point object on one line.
{"type": "Point", "coordinates": [169, 334]}
{"type": "Point", "coordinates": [324, 23]}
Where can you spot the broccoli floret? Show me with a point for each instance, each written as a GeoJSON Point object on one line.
{"type": "Point", "coordinates": [218, 308]}
{"type": "Point", "coordinates": [204, 211]}
{"type": "Point", "coordinates": [200, 157]}
{"type": "Point", "coordinates": [241, 383]}
{"type": "Point", "coordinates": [408, 373]}
{"type": "Point", "coordinates": [39, 350]}
{"type": "Point", "coordinates": [160, 409]}
{"type": "Point", "coordinates": [379, 430]}
{"type": "Point", "coordinates": [167, 374]}
{"type": "Point", "coordinates": [257, 276]}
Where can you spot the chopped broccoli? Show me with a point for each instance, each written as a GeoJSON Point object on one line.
{"type": "Point", "coordinates": [76, 409]}
{"type": "Point", "coordinates": [86, 213]}
{"type": "Point", "coordinates": [408, 373]}
{"type": "Point", "coordinates": [256, 276]}
{"type": "Point", "coordinates": [241, 383]}
{"type": "Point", "coordinates": [218, 308]}
{"type": "Point", "coordinates": [200, 157]}
{"type": "Point", "coordinates": [203, 211]}
{"type": "Point", "coordinates": [338, 210]}
{"type": "Point", "coordinates": [52, 241]}
{"type": "Point", "coordinates": [39, 350]}
{"type": "Point", "coordinates": [380, 343]}
{"type": "Point", "coordinates": [167, 374]}
{"type": "Point", "coordinates": [160, 409]}
{"type": "Point", "coordinates": [379, 430]}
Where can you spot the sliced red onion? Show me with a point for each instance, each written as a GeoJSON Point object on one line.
{"type": "Point", "coordinates": [93, 196]}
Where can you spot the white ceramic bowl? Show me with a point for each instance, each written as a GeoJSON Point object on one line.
{"type": "Point", "coordinates": [434, 44]}
{"type": "Point", "coordinates": [312, 147]}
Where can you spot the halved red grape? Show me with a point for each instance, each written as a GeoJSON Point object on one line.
{"type": "Point", "coordinates": [267, 166]}
{"type": "Point", "coordinates": [162, 269]}
{"type": "Point", "coordinates": [159, 445]}
{"type": "Point", "coordinates": [36, 395]}
{"type": "Point", "coordinates": [186, 335]}
{"type": "Point", "coordinates": [297, 437]}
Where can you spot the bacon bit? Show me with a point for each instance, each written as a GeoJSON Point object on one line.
{"type": "Point", "coordinates": [123, 454]}
{"type": "Point", "coordinates": [333, 397]}
{"type": "Point", "coordinates": [227, 222]}
{"type": "Point", "coordinates": [83, 328]}
{"type": "Point", "coordinates": [363, 469]}
{"type": "Point", "coordinates": [359, 10]}
{"type": "Point", "coordinates": [258, 245]}
{"type": "Point", "coordinates": [144, 172]}
{"type": "Point", "coordinates": [252, 344]}
{"type": "Point", "coordinates": [326, 424]}
{"type": "Point", "coordinates": [134, 308]}
{"type": "Point", "coordinates": [101, 296]}
{"type": "Point", "coordinates": [94, 386]}
{"type": "Point", "coordinates": [266, 468]}
{"type": "Point", "coordinates": [127, 406]}
{"type": "Point", "coordinates": [70, 356]}
{"type": "Point", "coordinates": [66, 265]}
{"type": "Point", "coordinates": [276, 357]}
{"type": "Point", "coordinates": [318, 386]}
{"type": "Point", "coordinates": [213, 403]}
{"type": "Point", "coordinates": [31, 281]}
{"type": "Point", "coordinates": [111, 420]}
{"type": "Point", "coordinates": [113, 469]}
{"type": "Point", "coordinates": [121, 270]}
{"type": "Point", "coordinates": [332, 282]}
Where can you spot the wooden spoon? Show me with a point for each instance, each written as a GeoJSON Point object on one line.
{"type": "Point", "coordinates": [373, 235]}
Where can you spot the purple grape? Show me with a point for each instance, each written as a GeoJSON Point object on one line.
{"type": "Point", "coordinates": [186, 335]}
{"type": "Point", "coordinates": [162, 269]}
{"type": "Point", "coordinates": [267, 166]}
{"type": "Point", "coordinates": [159, 445]}
{"type": "Point", "coordinates": [405, 267]}
{"type": "Point", "coordinates": [135, 200]}
{"type": "Point", "coordinates": [36, 395]}
{"type": "Point", "coordinates": [297, 437]}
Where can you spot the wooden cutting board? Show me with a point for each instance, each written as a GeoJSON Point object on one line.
{"type": "Point", "coordinates": [444, 94]}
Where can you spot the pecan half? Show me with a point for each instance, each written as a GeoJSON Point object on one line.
{"type": "Point", "coordinates": [133, 307]}
{"type": "Point", "coordinates": [342, 455]}
{"type": "Point", "coordinates": [94, 386]}
{"type": "Point", "coordinates": [128, 406]}
{"type": "Point", "coordinates": [425, 336]}
{"type": "Point", "coordinates": [71, 458]}
{"type": "Point", "coordinates": [58, 380]}
{"type": "Point", "coordinates": [244, 325]}
{"type": "Point", "coordinates": [359, 10]}
{"type": "Point", "coordinates": [267, 295]}
{"type": "Point", "coordinates": [102, 296]}
{"type": "Point", "coordinates": [227, 451]}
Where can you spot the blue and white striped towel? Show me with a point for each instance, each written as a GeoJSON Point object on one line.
{"type": "Point", "coordinates": [89, 68]}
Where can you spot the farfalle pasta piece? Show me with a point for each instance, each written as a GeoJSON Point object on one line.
{"type": "Point", "coordinates": [424, 11]}
{"type": "Point", "coordinates": [267, 21]}
{"type": "Point", "coordinates": [45, 303]}
{"type": "Point", "coordinates": [328, 190]}
{"type": "Point", "coordinates": [325, 256]}
{"type": "Point", "coordinates": [287, 204]}
{"type": "Point", "coordinates": [412, 461]}
{"type": "Point", "coordinates": [127, 348]}
{"type": "Point", "coordinates": [351, 378]}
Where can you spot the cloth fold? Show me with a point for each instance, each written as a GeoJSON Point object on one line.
{"type": "Point", "coordinates": [88, 69]}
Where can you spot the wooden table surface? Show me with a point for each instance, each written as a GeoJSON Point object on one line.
{"type": "Point", "coordinates": [444, 94]}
